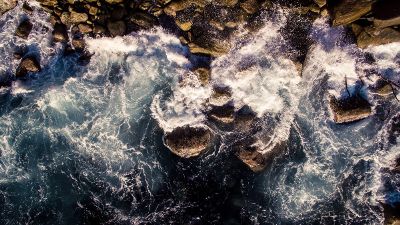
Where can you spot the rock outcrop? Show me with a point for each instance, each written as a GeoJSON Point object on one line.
{"type": "Point", "coordinates": [188, 141]}
{"type": "Point", "coordinates": [349, 109]}
{"type": "Point", "coordinates": [28, 64]}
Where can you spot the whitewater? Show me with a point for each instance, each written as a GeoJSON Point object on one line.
{"type": "Point", "coordinates": [83, 143]}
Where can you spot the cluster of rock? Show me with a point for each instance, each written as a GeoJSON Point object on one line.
{"type": "Point", "coordinates": [374, 22]}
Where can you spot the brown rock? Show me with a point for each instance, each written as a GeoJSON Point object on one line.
{"type": "Point", "coordinates": [372, 37]}
{"type": "Point", "coordinates": [250, 6]}
{"type": "Point", "coordinates": [320, 3]}
{"type": "Point", "coordinates": [78, 44]}
{"type": "Point", "coordinates": [203, 74]}
{"type": "Point", "coordinates": [143, 20]}
{"type": "Point", "coordinates": [84, 28]}
{"type": "Point", "coordinates": [176, 6]}
{"type": "Point", "coordinates": [50, 3]}
{"type": "Point", "coordinates": [24, 28]}
{"type": "Point", "coordinates": [350, 10]}
{"type": "Point", "coordinates": [188, 141]}
{"type": "Point", "coordinates": [28, 64]}
{"type": "Point", "coordinates": [6, 5]}
{"type": "Point", "coordinates": [214, 49]}
{"type": "Point", "coordinates": [349, 110]}
{"type": "Point", "coordinates": [114, 1]}
{"type": "Point", "coordinates": [117, 28]}
{"type": "Point", "coordinates": [386, 13]}
{"type": "Point", "coordinates": [229, 3]}
{"type": "Point", "coordinates": [60, 33]}
{"type": "Point", "coordinates": [76, 17]}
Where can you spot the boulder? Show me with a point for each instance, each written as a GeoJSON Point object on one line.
{"type": "Point", "coordinates": [142, 20]}
{"type": "Point", "coordinates": [60, 33]}
{"type": "Point", "coordinates": [6, 5]}
{"type": "Point", "coordinates": [176, 6]}
{"type": "Point", "coordinates": [188, 141]}
{"type": "Point", "coordinates": [229, 3]}
{"type": "Point", "coordinates": [386, 13]}
{"type": "Point", "coordinates": [84, 28]}
{"type": "Point", "coordinates": [350, 10]}
{"type": "Point", "coordinates": [320, 3]}
{"type": "Point", "coordinates": [76, 17]}
{"type": "Point", "coordinates": [373, 37]}
{"type": "Point", "coordinates": [349, 109]}
{"type": "Point", "coordinates": [114, 1]}
{"type": "Point", "coordinates": [24, 29]}
{"type": "Point", "coordinates": [28, 64]}
{"type": "Point", "coordinates": [250, 6]}
{"type": "Point", "coordinates": [223, 115]}
{"type": "Point", "coordinates": [78, 44]}
{"type": "Point", "coordinates": [117, 28]}
{"type": "Point", "coordinates": [203, 74]}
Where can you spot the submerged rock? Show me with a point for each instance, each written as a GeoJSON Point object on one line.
{"type": "Point", "coordinates": [349, 110]}
{"type": "Point", "coordinates": [28, 64]}
{"type": "Point", "coordinates": [24, 29]}
{"type": "Point", "coordinates": [6, 5]}
{"type": "Point", "coordinates": [188, 141]}
{"type": "Point", "coordinates": [350, 10]}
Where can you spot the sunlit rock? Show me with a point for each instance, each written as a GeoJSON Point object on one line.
{"type": "Point", "coordinates": [349, 109]}
{"type": "Point", "coordinates": [373, 37]}
{"type": "Point", "coordinates": [386, 13]}
{"type": "Point", "coordinates": [28, 64]}
{"type": "Point", "coordinates": [6, 5]}
{"type": "Point", "coordinates": [188, 141]}
{"type": "Point", "coordinates": [350, 10]}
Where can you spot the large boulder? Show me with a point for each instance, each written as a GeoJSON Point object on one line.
{"type": "Point", "coordinates": [350, 10]}
{"type": "Point", "coordinates": [6, 5]}
{"type": "Point", "coordinates": [349, 109]}
{"type": "Point", "coordinates": [188, 141]}
{"type": "Point", "coordinates": [28, 64]}
{"type": "Point", "coordinates": [373, 37]}
{"type": "Point", "coordinates": [24, 29]}
{"type": "Point", "coordinates": [386, 13]}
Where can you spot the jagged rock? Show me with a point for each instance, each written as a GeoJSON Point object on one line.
{"type": "Point", "coordinates": [6, 5]}
{"type": "Point", "coordinates": [143, 20]}
{"type": "Point", "coordinates": [350, 109]}
{"type": "Point", "coordinates": [28, 64]}
{"type": "Point", "coordinates": [24, 28]}
{"type": "Point", "coordinates": [250, 6]}
{"type": "Point", "coordinates": [350, 10]}
{"type": "Point", "coordinates": [117, 28]}
{"type": "Point", "coordinates": [188, 141]}
{"type": "Point", "coordinates": [372, 37]}
{"type": "Point", "coordinates": [60, 33]}
{"type": "Point", "coordinates": [84, 28]}
{"type": "Point", "coordinates": [320, 3]}
{"type": "Point", "coordinates": [386, 13]}
{"type": "Point", "coordinates": [78, 44]}
{"type": "Point", "coordinates": [203, 74]}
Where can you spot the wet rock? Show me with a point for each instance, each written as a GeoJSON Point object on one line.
{"type": "Point", "coordinates": [320, 3]}
{"type": "Point", "coordinates": [24, 29]}
{"type": "Point", "coordinates": [350, 10]}
{"type": "Point", "coordinates": [118, 13]}
{"type": "Point", "coordinates": [203, 74]}
{"type": "Point", "coordinates": [177, 6]}
{"type": "Point", "coordinates": [229, 3]}
{"type": "Point", "coordinates": [27, 8]}
{"type": "Point", "coordinates": [117, 28]}
{"type": "Point", "coordinates": [78, 44]}
{"type": "Point", "coordinates": [382, 88]}
{"type": "Point", "coordinates": [114, 1]}
{"type": "Point", "coordinates": [6, 5]}
{"type": "Point", "coordinates": [188, 141]}
{"type": "Point", "coordinates": [223, 115]}
{"type": "Point", "coordinates": [28, 64]}
{"type": "Point", "coordinates": [76, 17]}
{"type": "Point", "coordinates": [250, 6]}
{"type": "Point", "coordinates": [373, 37]}
{"type": "Point", "coordinates": [84, 28]}
{"type": "Point", "coordinates": [60, 33]}
{"type": "Point", "coordinates": [386, 13]}
{"type": "Point", "coordinates": [350, 109]}
{"type": "Point", "coordinates": [142, 20]}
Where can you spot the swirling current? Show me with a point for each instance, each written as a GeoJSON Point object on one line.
{"type": "Point", "coordinates": [82, 143]}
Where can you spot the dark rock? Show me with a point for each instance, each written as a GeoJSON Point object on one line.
{"type": "Point", "coordinates": [188, 141]}
{"type": "Point", "coordinates": [24, 28]}
{"type": "Point", "coordinates": [386, 13]}
{"type": "Point", "coordinates": [28, 64]}
{"type": "Point", "coordinates": [350, 10]}
{"type": "Point", "coordinates": [118, 13]}
{"type": "Point", "coordinates": [349, 109]}
{"type": "Point", "coordinates": [27, 8]}
{"type": "Point", "coordinates": [203, 74]}
{"type": "Point", "coordinates": [142, 20]}
{"type": "Point", "coordinates": [78, 44]}
{"type": "Point", "coordinates": [60, 33]}
{"type": "Point", "coordinates": [117, 28]}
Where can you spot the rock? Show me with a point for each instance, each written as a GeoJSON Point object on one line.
{"type": "Point", "coordinates": [214, 51]}
{"type": "Point", "coordinates": [27, 8]}
{"type": "Point", "coordinates": [203, 74]}
{"type": "Point", "coordinates": [143, 20]}
{"type": "Point", "coordinates": [60, 33]}
{"type": "Point", "coordinates": [76, 17]}
{"type": "Point", "coordinates": [6, 5]}
{"type": "Point", "coordinates": [250, 6]}
{"type": "Point", "coordinates": [118, 13]}
{"type": "Point", "coordinates": [229, 3]}
{"type": "Point", "coordinates": [114, 1]}
{"type": "Point", "coordinates": [177, 6]}
{"type": "Point", "coordinates": [252, 158]}
{"type": "Point", "coordinates": [350, 10]}
{"type": "Point", "coordinates": [350, 109]}
{"type": "Point", "coordinates": [84, 28]}
{"type": "Point", "coordinates": [93, 10]}
{"type": "Point", "coordinates": [372, 37]}
{"type": "Point", "coordinates": [382, 88]}
{"type": "Point", "coordinates": [188, 141]}
{"type": "Point", "coordinates": [320, 3]}
{"type": "Point", "coordinates": [117, 28]}
{"type": "Point", "coordinates": [223, 115]}
{"type": "Point", "coordinates": [386, 13]}
{"type": "Point", "coordinates": [28, 64]}
{"type": "Point", "coordinates": [49, 3]}
{"type": "Point", "coordinates": [78, 44]}
{"type": "Point", "coordinates": [24, 28]}
{"type": "Point", "coordinates": [97, 29]}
